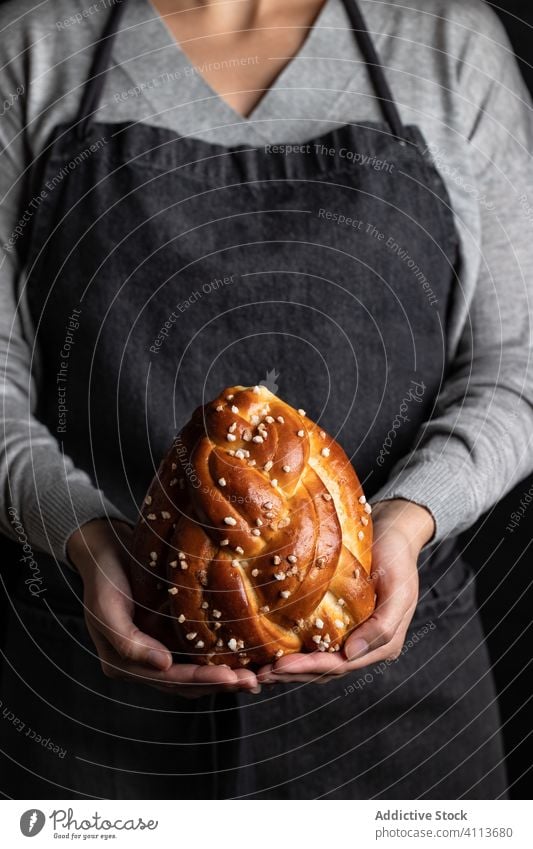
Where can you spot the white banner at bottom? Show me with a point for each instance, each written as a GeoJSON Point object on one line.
{"type": "Point", "coordinates": [241, 824]}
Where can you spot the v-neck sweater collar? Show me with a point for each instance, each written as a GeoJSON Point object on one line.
{"type": "Point", "coordinates": [145, 50]}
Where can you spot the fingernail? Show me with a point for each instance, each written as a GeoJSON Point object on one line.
{"type": "Point", "coordinates": [159, 659]}
{"type": "Point", "coordinates": [356, 649]}
{"type": "Point", "coordinates": [256, 690]}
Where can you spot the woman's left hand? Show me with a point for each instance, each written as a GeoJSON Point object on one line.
{"type": "Point", "coordinates": [401, 529]}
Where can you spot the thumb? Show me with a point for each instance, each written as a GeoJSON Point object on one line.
{"type": "Point", "coordinates": [128, 640]}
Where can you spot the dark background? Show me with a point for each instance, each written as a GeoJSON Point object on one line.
{"type": "Point", "coordinates": [517, 17]}
{"type": "Point", "coordinates": [503, 560]}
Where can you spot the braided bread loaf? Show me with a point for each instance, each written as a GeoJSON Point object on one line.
{"type": "Point", "coordinates": [254, 539]}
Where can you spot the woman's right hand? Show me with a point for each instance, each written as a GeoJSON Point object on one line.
{"type": "Point", "coordinates": [98, 551]}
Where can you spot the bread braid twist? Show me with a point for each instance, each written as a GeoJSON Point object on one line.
{"type": "Point", "coordinates": [254, 539]}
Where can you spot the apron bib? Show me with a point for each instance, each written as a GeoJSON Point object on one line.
{"type": "Point", "coordinates": [178, 267]}
{"type": "Point", "coordinates": [325, 270]}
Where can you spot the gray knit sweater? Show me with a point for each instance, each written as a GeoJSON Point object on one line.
{"type": "Point", "coordinates": [452, 72]}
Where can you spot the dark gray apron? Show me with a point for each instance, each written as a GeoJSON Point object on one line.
{"type": "Point", "coordinates": [328, 271]}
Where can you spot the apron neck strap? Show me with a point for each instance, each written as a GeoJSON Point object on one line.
{"type": "Point", "coordinates": [102, 59]}
{"type": "Point", "coordinates": [375, 69]}
{"type": "Point", "coordinates": [94, 85]}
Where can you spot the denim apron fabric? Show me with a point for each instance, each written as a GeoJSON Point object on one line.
{"type": "Point", "coordinates": [325, 270]}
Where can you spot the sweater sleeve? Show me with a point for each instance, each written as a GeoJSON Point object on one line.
{"type": "Point", "coordinates": [476, 446]}
{"type": "Point", "coordinates": [43, 496]}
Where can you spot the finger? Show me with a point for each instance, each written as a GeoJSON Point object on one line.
{"type": "Point", "coordinates": [111, 617]}
{"type": "Point", "coordinates": [247, 680]}
{"type": "Point", "coordinates": [313, 663]}
{"type": "Point", "coordinates": [241, 678]}
{"type": "Point", "coordinates": [193, 673]}
{"type": "Point", "coordinates": [319, 666]}
{"type": "Point", "coordinates": [394, 605]}
{"type": "Point", "coordinates": [293, 666]}
{"type": "Point", "coordinates": [393, 612]}
{"type": "Point", "coordinates": [307, 679]}
{"type": "Point", "coordinates": [216, 674]}
{"type": "Point", "coordinates": [178, 674]}
{"type": "Point", "coordinates": [300, 679]}
{"type": "Point", "coordinates": [300, 668]}
{"type": "Point", "coordinates": [388, 652]}
{"type": "Point", "coordinates": [264, 674]}
{"type": "Point", "coordinates": [266, 677]}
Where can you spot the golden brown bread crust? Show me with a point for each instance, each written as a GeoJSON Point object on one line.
{"type": "Point", "coordinates": [254, 538]}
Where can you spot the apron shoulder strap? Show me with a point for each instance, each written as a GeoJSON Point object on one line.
{"type": "Point", "coordinates": [95, 82]}
{"type": "Point", "coordinates": [375, 69]}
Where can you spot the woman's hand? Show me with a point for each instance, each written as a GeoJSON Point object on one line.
{"type": "Point", "coordinates": [98, 550]}
{"type": "Point", "coordinates": [401, 529]}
